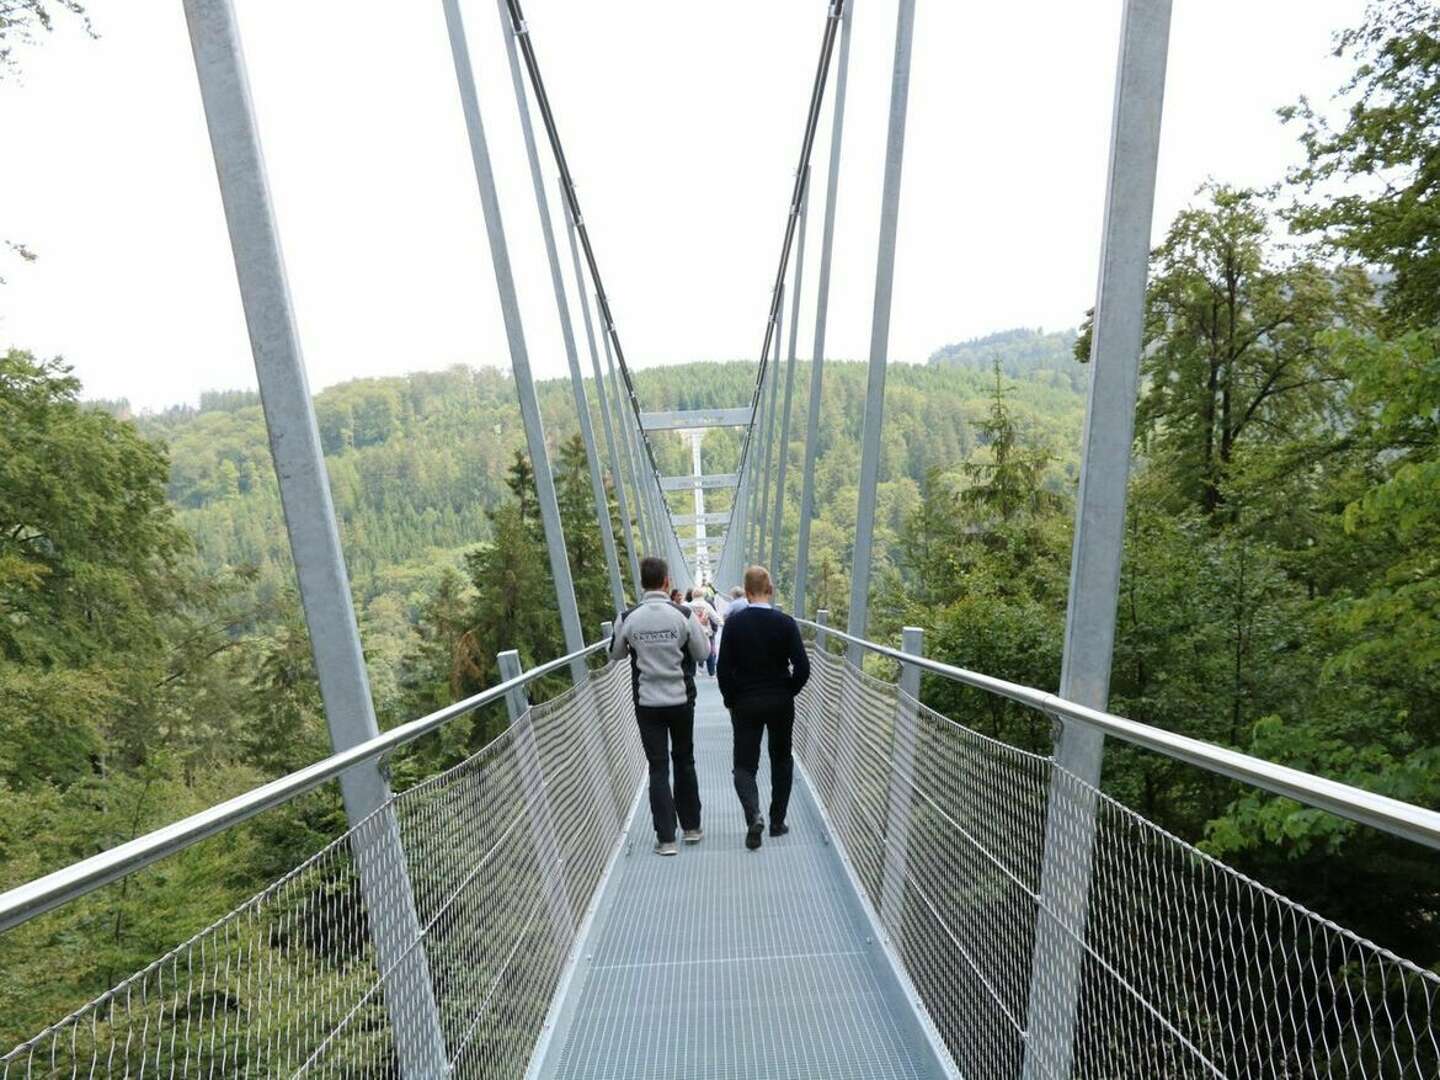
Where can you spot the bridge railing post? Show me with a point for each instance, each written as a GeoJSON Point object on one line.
{"type": "Point", "coordinates": [819, 747]}
{"type": "Point", "coordinates": [592, 738]}
{"type": "Point", "coordinates": [840, 704]}
{"type": "Point", "coordinates": [902, 775]}
{"type": "Point", "coordinates": [314, 538]}
{"type": "Point", "coordinates": [548, 856]}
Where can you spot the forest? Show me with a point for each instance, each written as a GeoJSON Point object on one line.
{"type": "Point", "coordinates": [1280, 593]}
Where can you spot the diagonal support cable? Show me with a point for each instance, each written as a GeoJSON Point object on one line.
{"type": "Point", "coordinates": [833, 23]}
{"type": "Point", "coordinates": [521, 30]}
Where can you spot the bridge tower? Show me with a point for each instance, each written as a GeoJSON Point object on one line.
{"type": "Point", "coordinates": [697, 471]}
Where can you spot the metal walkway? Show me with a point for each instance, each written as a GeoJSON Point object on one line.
{"type": "Point", "coordinates": [725, 963]}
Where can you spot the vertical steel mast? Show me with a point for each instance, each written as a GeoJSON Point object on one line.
{"type": "Point", "coordinates": [822, 312]}
{"type": "Point", "coordinates": [880, 329]}
{"type": "Point", "coordinates": [778, 529]}
{"type": "Point", "coordinates": [834, 19]}
{"type": "Point", "coordinates": [521, 31]}
{"type": "Point", "coordinates": [562, 306]}
{"type": "Point", "coordinates": [515, 335]}
{"type": "Point", "coordinates": [1099, 531]}
{"type": "Point", "coordinates": [310, 524]}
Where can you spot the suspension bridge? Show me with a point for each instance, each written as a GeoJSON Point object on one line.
{"type": "Point", "coordinates": [945, 906]}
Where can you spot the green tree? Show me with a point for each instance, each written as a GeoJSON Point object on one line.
{"type": "Point", "coordinates": [1235, 352]}
{"type": "Point", "coordinates": [1371, 187]}
{"type": "Point", "coordinates": [1011, 477]}
{"type": "Point", "coordinates": [583, 541]}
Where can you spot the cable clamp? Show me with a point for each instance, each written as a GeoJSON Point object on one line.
{"type": "Point", "coordinates": [522, 28]}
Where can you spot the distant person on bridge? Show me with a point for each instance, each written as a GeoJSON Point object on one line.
{"type": "Point", "coordinates": [762, 667]}
{"type": "Point", "coordinates": [737, 601]}
{"type": "Point", "coordinates": [711, 621]}
{"type": "Point", "coordinates": [665, 641]}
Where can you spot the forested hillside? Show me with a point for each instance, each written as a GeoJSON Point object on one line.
{"type": "Point", "coordinates": [1020, 352]}
{"type": "Point", "coordinates": [415, 462]}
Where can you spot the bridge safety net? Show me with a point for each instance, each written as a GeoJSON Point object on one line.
{"type": "Point", "coordinates": [495, 861]}
{"type": "Point", "coordinates": [1179, 967]}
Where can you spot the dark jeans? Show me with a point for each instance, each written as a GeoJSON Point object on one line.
{"type": "Point", "coordinates": [667, 733]}
{"type": "Point", "coordinates": [710, 661]}
{"type": "Point", "coordinates": [749, 725]}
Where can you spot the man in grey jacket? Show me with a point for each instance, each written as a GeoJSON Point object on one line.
{"type": "Point", "coordinates": [665, 641]}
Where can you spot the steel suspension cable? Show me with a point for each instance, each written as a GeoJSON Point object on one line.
{"type": "Point", "coordinates": [521, 31]}
{"type": "Point", "coordinates": [567, 186]}
{"type": "Point", "coordinates": [833, 23]}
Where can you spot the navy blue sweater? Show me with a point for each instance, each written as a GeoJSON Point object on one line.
{"type": "Point", "coordinates": [762, 659]}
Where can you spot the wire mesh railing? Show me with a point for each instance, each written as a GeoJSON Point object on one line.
{"type": "Point", "coordinates": [504, 853]}
{"type": "Point", "coordinates": [1188, 968]}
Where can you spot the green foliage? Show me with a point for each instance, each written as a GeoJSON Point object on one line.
{"type": "Point", "coordinates": [1020, 353]}
{"type": "Point", "coordinates": [131, 694]}
{"type": "Point", "coordinates": [1371, 187]}
{"type": "Point", "coordinates": [87, 543]}
{"type": "Point", "coordinates": [1235, 348]}
{"type": "Point", "coordinates": [1010, 478]}
{"type": "Point", "coordinates": [21, 21]}
{"type": "Point", "coordinates": [1396, 624]}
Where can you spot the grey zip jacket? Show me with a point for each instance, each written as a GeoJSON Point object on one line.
{"type": "Point", "coordinates": [664, 641]}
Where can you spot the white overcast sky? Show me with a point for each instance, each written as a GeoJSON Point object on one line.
{"type": "Point", "coordinates": [682, 121]}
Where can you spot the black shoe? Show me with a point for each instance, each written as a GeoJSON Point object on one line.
{"type": "Point", "coordinates": [778, 828]}
{"type": "Point", "coordinates": [753, 834]}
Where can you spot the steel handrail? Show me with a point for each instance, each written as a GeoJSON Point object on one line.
{"type": "Point", "coordinates": [1402, 819]}
{"type": "Point", "coordinates": [72, 882]}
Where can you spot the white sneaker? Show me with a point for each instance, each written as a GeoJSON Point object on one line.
{"type": "Point", "coordinates": [694, 836]}
{"type": "Point", "coordinates": [666, 847]}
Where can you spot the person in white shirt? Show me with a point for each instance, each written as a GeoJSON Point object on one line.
{"type": "Point", "coordinates": [711, 621]}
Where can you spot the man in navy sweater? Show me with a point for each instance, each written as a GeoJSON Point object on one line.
{"type": "Point", "coordinates": [762, 667]}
